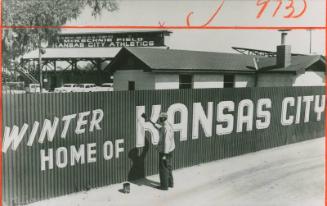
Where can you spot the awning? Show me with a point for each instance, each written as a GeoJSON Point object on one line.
{"type": "Point", "coordinates": [74, 53]}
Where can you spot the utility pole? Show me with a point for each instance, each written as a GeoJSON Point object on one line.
{"type": "Point", "coordinates": [310, 46]}
{"type": "Point", "coordinates": [40, 65]}
{"type": "Point", "coordinates": [42, 45]}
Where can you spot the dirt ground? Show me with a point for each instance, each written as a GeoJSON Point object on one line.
{"type": "Point", "coordinates": [287, 175]}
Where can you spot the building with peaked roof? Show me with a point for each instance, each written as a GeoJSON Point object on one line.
{"type": "Point", "coordinates": [81, 57]}
{"type": "Point", "coordinates": [300, 71]}
{"type": "Point", "coordinates": [148, 68]}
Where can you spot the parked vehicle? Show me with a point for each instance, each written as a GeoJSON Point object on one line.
{"type": "Point", "coordinates": [85, 88]}
{"type": "Point", "coordinates": [105, 87]}
{"type": "Point", "coordinates": [108, 86]}
{"type": "Point", "coordinates": [66, 88]}
{"type": "Point", "coordinates": [13, 88]}
{"type": "Point", "coordinates": [34, 88]}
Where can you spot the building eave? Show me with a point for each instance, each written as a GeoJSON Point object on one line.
{"type": "Point", "coordinates": [197, 71]}
{"type": "Point", "coordinates": [277, 72]}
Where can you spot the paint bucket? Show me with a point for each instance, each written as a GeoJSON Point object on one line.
{"type": "Point", "coordinates": [126, 187]}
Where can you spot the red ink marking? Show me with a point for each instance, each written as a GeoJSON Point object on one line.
{"type": "Point", "coordinates": [213, 16]}
{"type": "Point", "coordinates": [290, 6]}
{"type": "Point", "coordinates": [303, 10]}
{"type": "Point", "coordinates": [1, 35]}
{"type": "Point", "coordinates": [188, 18]}
{"type": "Point", "coordinates": [280, 2]}
{"type": "Point", "coordinates": [147, 27]}
{"type": "Point", "coordinates": [264, 4]}
{"type": "Point", "coordinates": [162, 24]}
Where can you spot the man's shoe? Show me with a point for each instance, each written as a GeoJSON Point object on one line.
{"type": "Point", "coordinates": [171, 186]}
{"type": "Point", "coordinates": [161, 188]}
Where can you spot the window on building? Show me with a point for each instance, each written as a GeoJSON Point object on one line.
{"type": "Point", "coordinates": [185, 81]}
{"type": "Point", "coordinates": [131, 85]}
{"type": "Point", "coordinates": [229, 81]}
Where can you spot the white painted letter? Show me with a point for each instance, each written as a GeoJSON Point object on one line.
{"type": "Point", "coordinates": [307, 100]}
{"type": "Point", "coordinates": [182, 126]}
{"type": "Point", "coordinates": [118, 149]}
{"type": "Point", "coordinates": [48, 129]}
{"type": "Point", "coordinates": [298, 110]}
{"type": "Point", "coordinates": [142, 126]}
{"type": "Point", "coordinates": [108, 148]}
{"type": "Point", "coordinates": [91, 150]}
{"type": "Point", "coordinates": [242, 118]}
{"type": "Point", "coordinates": [45, 158]}
{"type": "Point", "coordinates": [13, 137]}
{"type": "Point", "coordinates": [265, 122]}
{"type": "Point", "coordinates": [225, 119]}
{"type": "Point", "coordinates": [320, 108]}
{"type": "Point", "coordinates": [77, 155]}
{"type": "Point", "coordinates": [199, 117]}
{"type": "Point", "coordinates": [97, 116]}
{"type": "Point", "coordinates": [284, 120]}
{"type": "Point", "coordinates": [33, 133]}
{"type": "Point", "coordinates": [61, 157]}
{"type": "Point", "coordinates": [81, 122]}
{"type": "Point", "coordinates": [67, 120]}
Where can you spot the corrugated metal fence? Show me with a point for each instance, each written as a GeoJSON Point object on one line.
{"type": "Point", "coordinates": [24, 180]}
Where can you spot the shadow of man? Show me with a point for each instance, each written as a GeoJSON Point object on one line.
{"type": "Point", "coordinates": [136, 174]}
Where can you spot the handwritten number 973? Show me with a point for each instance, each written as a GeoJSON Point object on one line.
{"type": "Point", "coordinates": [289, 9]}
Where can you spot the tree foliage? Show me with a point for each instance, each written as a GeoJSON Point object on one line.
{"type": "Point", "coordinates": [43, 13]}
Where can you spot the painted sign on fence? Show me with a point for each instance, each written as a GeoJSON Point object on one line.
{"type": "Point", "coordinates": [54, 144]}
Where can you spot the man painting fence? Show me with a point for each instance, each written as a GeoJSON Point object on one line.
{"type": "Point", "coordinates": [166, 146]}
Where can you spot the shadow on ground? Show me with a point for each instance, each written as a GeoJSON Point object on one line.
{"type": "Point", "coordinates": [136, 175]}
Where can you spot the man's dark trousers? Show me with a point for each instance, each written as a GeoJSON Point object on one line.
{"type": "Point", "coordinates": [165, 171]}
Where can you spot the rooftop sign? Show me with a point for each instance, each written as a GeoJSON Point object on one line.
{"type": "Point", "coordinates": [100, 40]}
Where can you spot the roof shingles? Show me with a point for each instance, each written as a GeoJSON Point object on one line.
{"type": "Point", "coordinates": [297, 63]}
{"type": "Point", "coordinates": [163, 59]}
{"type": "Point", "coordinates": [197, 61]}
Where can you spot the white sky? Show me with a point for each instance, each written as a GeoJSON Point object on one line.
{"type": "Point", "coordinates": [233, 13]}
